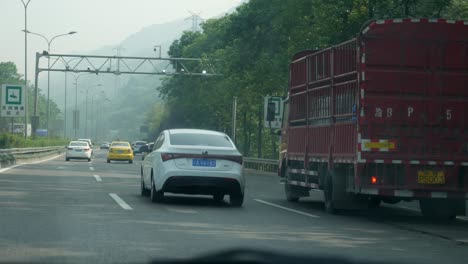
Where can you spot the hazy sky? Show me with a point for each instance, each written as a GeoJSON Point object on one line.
{"type": "Point", "coordinates": [98, 22]}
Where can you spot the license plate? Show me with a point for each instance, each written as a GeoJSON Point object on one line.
{"type": "Point", "coordinates": [431, 177]}
{"type": "Point", "coordinates": [78, 150]}
{"type": "Point", "coordinates": [120, 151]}
{"type": "Point", "coordinates": [203, 163]}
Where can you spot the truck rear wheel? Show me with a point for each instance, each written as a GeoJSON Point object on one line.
{"type": "Point", "coordinates": [441, 209]}
{"type": "Point", "coordinates": [328, 195]}
{"type": "Point", "coordinates": [291, 195]}
{"type": "Point", "coordinates": [292, 192]}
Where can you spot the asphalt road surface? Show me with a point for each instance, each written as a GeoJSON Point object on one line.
{"type": "Point", "coordinates": [92, 212]}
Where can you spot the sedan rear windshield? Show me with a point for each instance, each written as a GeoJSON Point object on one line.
{"type": "Point", "coordinates": [189, 139]}
{"type": "Point", "coordinates": [79, 144]}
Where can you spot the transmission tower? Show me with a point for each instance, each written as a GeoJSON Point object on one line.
{"type": "Point", "coordinates": [196, 20]}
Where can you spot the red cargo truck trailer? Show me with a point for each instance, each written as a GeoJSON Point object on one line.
{"type": "Point", "coordinates": [381, 117]}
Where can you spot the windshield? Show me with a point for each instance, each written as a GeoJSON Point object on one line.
{"type": "Point", "coordinates": [133, 131]}
{"type": "Point", "coordinates": [192, 139]}
{"type": "Point", "coordinates": [81, 144]}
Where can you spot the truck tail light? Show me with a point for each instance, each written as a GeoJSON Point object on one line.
{"type": "Point", "coordinates": [111, 150]}
{"type": "Point", "coordinates": [129, 151]}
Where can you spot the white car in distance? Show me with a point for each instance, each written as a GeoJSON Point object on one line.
{"type": "Point", "coordinates": [194, 161]}
{"type": "Point", "coordinates": [78, 150]}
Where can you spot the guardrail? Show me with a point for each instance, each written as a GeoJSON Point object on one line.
{"type": "Point", "coordinates": [14, 156]}
{"type": "Point", "coordinates": [261, 164]}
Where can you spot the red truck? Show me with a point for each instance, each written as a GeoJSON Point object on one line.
{"type": "Point", "coordinates": [382, 117]}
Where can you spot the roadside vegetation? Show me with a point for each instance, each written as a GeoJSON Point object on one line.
{"type": "Point", "coordinates": [252, 48]}
{"type": "Point", "coordinates": [14, 141]}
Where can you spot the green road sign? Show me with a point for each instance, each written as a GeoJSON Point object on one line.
{"type": "Point", "coordinates": [12, 103]}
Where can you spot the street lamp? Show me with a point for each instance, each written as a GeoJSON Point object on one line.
{"type": "Point", "coordinates": [25, 4]}
{"type": "Point", "coordinates": [86, 108]}
{"type": "Point", "coordinates": [65, 99]}
{"type": "Point", "coordinates": [49, 42]}
{"type": "Point", "coordinates": [93, 109]}
{"type": "Point", "coordinates": [76, 119]}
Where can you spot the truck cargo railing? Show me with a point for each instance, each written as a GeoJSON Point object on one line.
{"type": "Point", "coordinates": [269, 165]}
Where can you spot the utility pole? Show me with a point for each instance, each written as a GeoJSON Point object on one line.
{"type": "Point", "coordinates": [25, 4]}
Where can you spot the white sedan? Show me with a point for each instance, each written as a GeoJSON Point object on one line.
{"type": "Point", "coordinates": [78, 150]}
{"type": "Point", "coordinates": [193, 161]}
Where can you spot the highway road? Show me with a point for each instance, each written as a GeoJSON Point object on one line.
{"type": "Point", "coordinates": [92, 212]}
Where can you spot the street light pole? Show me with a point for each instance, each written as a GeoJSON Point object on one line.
{"type": "Point", "coordinates": [76, 121]}
{"type": "Point", "coordinates": [25, 4]}
{"type": "Point", "coordinates": [94, 111]}
{"type": "Point", "coordinates": [86, 108]}
{"type": "Point", "coordinates": [49, 42]}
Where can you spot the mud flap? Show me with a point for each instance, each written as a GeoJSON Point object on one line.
{"type": "Point", "coordinates": [343, 200]}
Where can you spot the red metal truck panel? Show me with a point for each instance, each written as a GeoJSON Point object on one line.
{"type": "Point", "coordinates": [393, 103]}
{"type": "Point", "coordinates": [414, 90]}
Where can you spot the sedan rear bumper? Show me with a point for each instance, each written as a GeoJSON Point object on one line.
{"type": "Point", "coordinates": [202, 185]}
{"type": "Point", "coordinates": [120, 156]}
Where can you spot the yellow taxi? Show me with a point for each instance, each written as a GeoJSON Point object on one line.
{"type": "Point", "coordinates": [120, 150]}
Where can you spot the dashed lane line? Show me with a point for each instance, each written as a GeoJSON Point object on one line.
{"type": "Point", "coordinates": [91, 168]}
{"type": "Point", "coordinates": [120, 202]}
{"type": "Point", "coordinates": [97, 177]}
{"type": "Point", "coordinates": [287, 209]}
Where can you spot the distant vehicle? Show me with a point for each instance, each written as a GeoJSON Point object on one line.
{"type": "Point", "coordinates": [366, 121]}
{"type": "Point", "coordinates": [193, 161]}
{"type": "Point", "coordinates": [120, 150]}
{"type": "Point", "coordinates": [78, 150]}
{"type": "Point", "coordinates": [105, 145]}
{"type": "Point", "coordinates": [146, 149]}
{"type": "Point", "coordinates": [90, 143]}
{"type": "Point", "coordinates": [136, 146]}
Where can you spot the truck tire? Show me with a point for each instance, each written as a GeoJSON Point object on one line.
{"type": "Point", "coordinates": [328, 195]}
{"type": "Point", "coordinates": [292, 192]}
{"type": "Point", "coordinates": [441, 209]}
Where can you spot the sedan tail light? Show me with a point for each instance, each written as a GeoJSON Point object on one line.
{"type": "Point", "coordinates": [169, 156]}
{"type": "Point", "coordinates": [111, 149]}
{"type": "Point", "coordinates": [237, 159]}
{"type": "Point", "coordinates": [70, 148]}
{"type": "Point", "coordinates": [86, 149]}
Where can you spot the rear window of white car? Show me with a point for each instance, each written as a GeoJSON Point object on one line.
{"type": "Point", "coordinates": [78, 144]}
{"type": "Point", "coordinates": [190, 139]}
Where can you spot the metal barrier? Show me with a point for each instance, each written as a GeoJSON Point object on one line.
{"type": "Point", "coordinates": [261, 164]}
{"type": "Point", "coordinates": [9, 157]}
{"type": "Point", "coordinates": [20, 151]}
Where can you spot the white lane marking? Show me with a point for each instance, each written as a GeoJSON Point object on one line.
{"type": "Point", "coordinates": [463, 218]}
{"type": "Point", "coordinates": [35, 162]}
{"type": "Point", "coordinates": [183, 211]}
{"type": "Point", "coordinates": [120, 202]}
{"type": "Point", "coordinates": [287, 209]}
{"type": "Point", "coordinates": [91, 168]}
{"type": "Point", "coordinates": [97, 178]}
{"type": "Point", "coordinates": [408, 208]}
